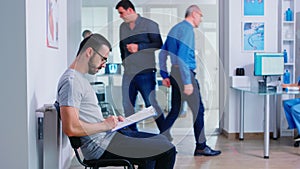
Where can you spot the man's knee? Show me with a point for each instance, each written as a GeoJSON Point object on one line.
{"type": "Point", "coordinates": [296, 109]}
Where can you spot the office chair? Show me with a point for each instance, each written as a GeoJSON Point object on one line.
{"type": "Point", "coordinates": [106, 108]}
{"type": "Point", "coordinates": [93, 164]}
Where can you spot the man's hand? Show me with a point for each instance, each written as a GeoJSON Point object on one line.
{"type": "Point", "coordinates": [166, 82]}
{"type": "Point", "coordinates": [112, 121]}
{"type": "Point", "coordinates": [121, 118]}
{"type": "Point", "coordinates": [132, 48]}
{"type": "Point", "coordinates": [188, 89]}
{"type": "Point", "coordinates": [290, 85]}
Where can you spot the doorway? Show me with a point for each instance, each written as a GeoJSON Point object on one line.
{"type": "Point", "coordinates": [102, 17]}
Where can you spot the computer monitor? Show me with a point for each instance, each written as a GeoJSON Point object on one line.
{"type": "Point", "coordinates": [268, 64]}
{"type": "Point", "coordinates": [113, 68]}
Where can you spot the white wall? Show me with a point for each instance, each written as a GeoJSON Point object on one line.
{"type": "Point", "coordinates": [234, 57]}
{"type": "Point", "coordinates": [30, 72]}
{"type": "Point", "coordinates": [44, 66]}
{"type": "Point", "coordinates": [13, 100]}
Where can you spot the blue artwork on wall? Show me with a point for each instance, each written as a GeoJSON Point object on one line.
{"type": "Point", "coordinates": [253, 7]}
{"type": "Point", "coordinates": [253, 34]}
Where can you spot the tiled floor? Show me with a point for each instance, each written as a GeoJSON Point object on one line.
{"type": "Point", "coordinates": [247, 154]}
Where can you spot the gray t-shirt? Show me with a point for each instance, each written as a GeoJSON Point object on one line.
{"type": "Point", "coordinates": [75, 90]}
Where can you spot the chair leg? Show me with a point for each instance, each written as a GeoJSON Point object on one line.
{"type": "Point", "coordinates": [129, 167]}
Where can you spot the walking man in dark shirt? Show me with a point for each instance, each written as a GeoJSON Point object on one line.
{"type": "Point", "coordinates": [139, 38]}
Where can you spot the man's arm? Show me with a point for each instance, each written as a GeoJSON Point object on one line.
{"type": "Point", "coordinates": [121, 43]}
{"type": "Point", "coordinates": [155, 42]}
{"type": "Point", "coordinates": [122, 51]}
{"type": "Point", "coordinates": [290, 85]}
{"type": "Point", "coordinates": [184, 52]}
{"type": "Point", "coordinates": [163, 54]}
{"type": "Point", "coordinates": [73, 126]}
{"type": "Point", "coordinates": [154, 38]}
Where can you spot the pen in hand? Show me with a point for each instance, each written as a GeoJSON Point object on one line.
{"type": "Point", "coordinates": [112, 121]}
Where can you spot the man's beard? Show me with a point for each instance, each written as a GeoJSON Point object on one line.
{"type": "Point", "coordinates": [92, 67]}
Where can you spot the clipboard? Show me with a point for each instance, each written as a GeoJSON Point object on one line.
{"type": "Point", "coordinates": [136, 117]}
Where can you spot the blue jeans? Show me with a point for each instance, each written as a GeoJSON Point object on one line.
{"type": "Point", "coordinates": [145, 84]}
{"type": "Point", "coordinates": [292, 113]}
{"type": "Point", "coordinates": [146, 150]}
{"type": "Point", "coordinates": [194, 102]}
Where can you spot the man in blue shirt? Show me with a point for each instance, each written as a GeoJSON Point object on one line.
{"type": "Point", "coordinates": [292, 114]}
{"type": "Point", "coordinates": [180, 46]}
{"type": "Point", "coordinates": [139, 38]}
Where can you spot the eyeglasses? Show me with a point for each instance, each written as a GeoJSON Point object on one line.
{"type": "Point", "coordinates": [104, 59]}
{"type": "Point", "coordinates": [200, 14]}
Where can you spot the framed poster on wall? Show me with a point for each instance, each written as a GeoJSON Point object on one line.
{"type": "Point", "coordinates": [253, 7]}
{"type": "Point", "coordinates": [253, 36]}
{"type": "Point", "coordinates": [52, 24]}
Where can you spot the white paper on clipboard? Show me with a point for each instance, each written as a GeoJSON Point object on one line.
{"type": "Point", "coordinates": [136, 117]}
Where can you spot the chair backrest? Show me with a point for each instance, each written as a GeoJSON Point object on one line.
{"type": "Point", "coordinates": [75, 141]}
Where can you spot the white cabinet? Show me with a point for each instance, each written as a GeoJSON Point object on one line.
{"type": "Point", "coordinates": [287, 35]}
{"type": "Point", "coordinates": [287, 40]}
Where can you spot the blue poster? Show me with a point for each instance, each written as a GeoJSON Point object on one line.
{"type": "Point", "coordinates": [253, 33]}
{"type": "Point", "coordinates": [253, 7]}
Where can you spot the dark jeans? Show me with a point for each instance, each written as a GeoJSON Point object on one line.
{"type": "Point", "coordinates": [194, 101]}
{"type": "Point", "coordinates": [145, 84]}
{"type": "Point", "coordinates": [146, 150]}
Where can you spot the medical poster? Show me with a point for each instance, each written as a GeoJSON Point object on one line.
{"type": "Point", "coordinates": [253, 36]}
{"type": "Point", "coordinates": [253, 7]}
{"type": "Point", "coordinates": [52, 24]}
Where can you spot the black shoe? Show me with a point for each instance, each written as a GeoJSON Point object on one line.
{"type": "Point", "coordinates": [297, 138]}
{"type": "Point", "coordinates": [207, 151]}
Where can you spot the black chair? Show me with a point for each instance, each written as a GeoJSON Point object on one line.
{"type": "Point", "coordinates": [296, 144]}
{"type": "Point", "coordinates": [94, 164]}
